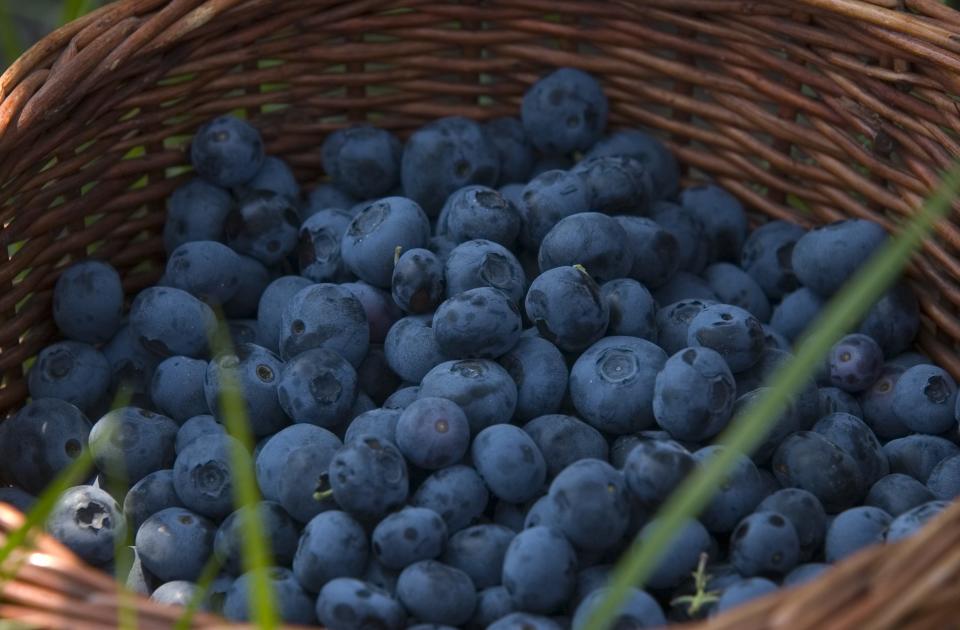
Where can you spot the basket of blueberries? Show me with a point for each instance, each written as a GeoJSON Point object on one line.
{"type": "Point", "coordinates": [451, 297]}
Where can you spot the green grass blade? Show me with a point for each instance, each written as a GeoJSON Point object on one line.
{"type": "Point", "coordinates": [748, 430]}
{"type": "Point", "coordinates": [257, 556]}
{"type": "Point", "coordinates": [72, 9]}
{"type": "Point", "coordinates": [10, 40]}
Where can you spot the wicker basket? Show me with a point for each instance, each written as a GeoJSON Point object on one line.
{"type": "Point", "coordinates": [839, 107]}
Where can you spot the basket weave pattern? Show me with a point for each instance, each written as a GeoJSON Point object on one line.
{"type": "Point", "coordinates": [808, 110]}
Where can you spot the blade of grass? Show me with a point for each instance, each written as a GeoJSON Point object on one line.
{"type": "Point", "coordinates": [747, 431]}
{"type": "Point", "coordinates": [257, 557]}
{"type": "Point", "coordinates": [10, 39]}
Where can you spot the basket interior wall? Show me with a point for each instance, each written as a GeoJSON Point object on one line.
{"type": "Point", "coordinates": [806, 111]}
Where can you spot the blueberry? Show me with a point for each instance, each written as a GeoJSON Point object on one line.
{"type": "Point", "coordinates": [509, 462]}
{"type": "Point", "coordinates": [589, 580]}
{"type": "Point", "coordinates": [767, 256]}
{"type": "Point", "coordinates": [293, 466]}
{"type": "Point", "coordinates": [897, 493]}
{"type": "Point", "coordinates": [363, 161]}
{"type": "Point", "coordinates": [514, 149]}
{"type": "Point", "coordinates": [254, 279]}
{"type": "Point", "coordinates": [688, 230]}
{"type": "Point", "coordinates": [684, 286]}
{"type": "Point", "coordinates": [72, 371]}
{"type": "Point", "coordinates": [293, 603]}
{"type": "Point", "coordinates": [18, 498]}
{"type": "Point", "coordinates": [381, 577]}
{"type": "Point", "coordinates": [411, 349]}
{"type": "Point", "coordinates": [650, 151]}
{"type": "Point", "coordinates": [333, 545]}
{"type": "Point", "coordinates": [347, 603]}
{"type": "Point", "coordinates": [733, 285]}
{"type": "Point", "coordinates": [271, 305]}
{"type": "Point", "coordinates": [564, 111]}
{"type": "Point", "coordinates": [924, 399]}
{"type": "Point", "coordinates": [741, 491]}
{"type": "Point", "coordinates": [944, 480]}
{"type": "Point", "coordinates": [673, 322]}
{"type": "Point", "coordinates": [855, 363]}
{"type": "Point", "coordinates": [798, 309]}
{"type": "Point", "coordinates": [176, 593]}
{"type": "Point", "coordinates": [202, 474]}
{"type": "Point", "coordinates": [280, 529]}
{"type": "Point", "coordinates": [207, 270]}
{"type": "Point", "coordinates": [317, 386]}
{"type": "Point", "coordinates": [877, 404]}
{"type": "Point", "coordinates": [326, 196]}
{"type": "Point", "coordinates": [196, 211]}
{"type": "Point", "coordinates": [88, 522]}
{"type": "Point", "coordinates": [548, 198]}
{"type": "Point", "coordinates": [170, 321]}
{"type": "Point", "coordinates": [369, 477]}
{"type": "Point", "coordinates": [833, 399]}
{"type": "Point", "coordinates": [418, 281]}
{"type": "Point", "coordinates": [481, 263]}
{"type": "Point", "coordinates": [591, 504]}
{"type": "Point", "coordinates": [775, 340]}
{"type": "Point", "coordinates": [653, 251]}
{"type": "Point", "coordinates": [379, 307]}
{"type": "Point", "coordinates": [910, 522]}
{"type": "Point", "coordinates": [402, 397]}
{"type": "Point", "coordinates": [371, 239]}
{"type": "Point", "coordinates": [132, 367]}
{"type": "Point", "coordinates": [88, 301]}
{"type": "Point", "coordinates": [640, 610]}
{"type": "Point", "coordinates": [917, 455]}
{"type": "Point", "coordinates": [177, 388]}
{"type": "Point", "coordinates": [264, 225]}
{"type": "Point", "coordinates": [457, 494]}
{"type": "Point", "coordinates": [381, 423]}
{"type": "Point", "coordinates": [274, 176]}
{"type": "Point", "coordinates": [682, 555]}
{"type": "Point", "coordinates": [524, 621]}
{"type": "Point", "coordinates": [148, 496]}
{"type": "Point", "coordinates": [653, 468]}
{"type": "Point", "coordinates": [175, 543]}
{"type": "Point", "coordinates": [479, 213]}
{"type": "Point", "coordinates": [591, 239]}
{"type": "Point", "coordinates": [227, 151]}
{"type": "Point", "coordinates": [757, 376]}
{"type": "Point", "coordinates": [478, 551]}
{"type": "Point", "coordinates": [42, 439]}
{"type": "Point", "coordinates": [325, 316]}
{"type": "Point", "coordinates": [694, 394]}
{"type": "Point", "coordinates": [493, 604]}
{"type": "Point", "coordinates": [742, 592]}
{"type": "Point", "coordinates": [803, 573]}
{"type": "Point", "coordinates": [481, 323]}
{"type": "Point", "coordinates": [482, 388]}
{"type": "Point", "coordinates": [733, 332]}
{"type": "Point", "coordinates": [407, 536]}
{"type": "Point", "coordinates": [543, 512]}
{"type": "Point", "coordinates": [723, 218]}
{"type": "Point", "coordinates": [827, 256]}
{"type": "Point", "coordinates": [129, 443]}
{"type": "Point", "coordinates": [894, 320]}
{"type": "Point", "coordinates": [791, 419]}
{"type": "Point", "coordinates": [436, 593]}
{"type": "Point", "coordinates": [433, 433]}
{"type": "Point", "coordinates": [539, 570]}
{"type": "Point", "coordinates": [764, 543]}
{"type": "Point", "coordinates": [853, 436]}
{"type": "Point", "coordinates": [564, 440]}
{"type": "Point", "coordinates": [540, 373]}
{"type": "Point", "coordinates": [446, 155]}
{"type": "Point", "coordinates": [374, 376]}
{"type": "Point", "coordinates": [255, 372]}
{"type": "Point", "coordinates": [318, 246]}
{"type": "Point", "coordinates": [805, 513]}
{"type": "Point", "coordinates": [812, 462]}
{"type": "Point", "coordinates": [854, 529]}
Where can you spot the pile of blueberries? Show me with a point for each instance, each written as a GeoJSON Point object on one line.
{"type": "Point", "coordinates": [475, 364]}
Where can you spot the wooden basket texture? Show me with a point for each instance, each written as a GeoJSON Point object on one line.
{"type": "Point", "coordinates": [809, 110]}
